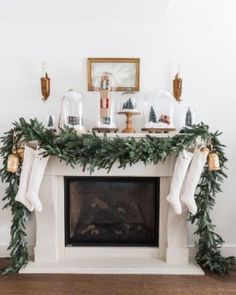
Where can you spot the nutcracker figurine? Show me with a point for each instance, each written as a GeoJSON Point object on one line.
{"type": "Point", "coordinates": [105, 85]}
{"type": "Point", "coordinates": [105, 101]}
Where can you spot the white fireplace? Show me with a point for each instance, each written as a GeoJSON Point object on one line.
{"type": "Point", "coordinates": [51, 255]}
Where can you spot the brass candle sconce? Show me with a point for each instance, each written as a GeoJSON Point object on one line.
{"type": "Point", "coordinates": [177, 87]}
{"type": "Point", "coordinates": [45, 84]}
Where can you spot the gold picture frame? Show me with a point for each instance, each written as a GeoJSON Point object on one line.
{"type": "Point", "coordinates": [126, 71]}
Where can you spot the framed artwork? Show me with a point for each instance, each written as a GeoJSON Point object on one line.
{"type": "Point", "coordinates": [126, 72]}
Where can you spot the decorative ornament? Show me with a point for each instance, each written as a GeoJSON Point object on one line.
{"type": "Point", "coordinates": [213, 162]}
{"type": "Point", "coordinates": [51, 122]}
{"type": "Point", "coordinates": [128, 101]}
{"type": "Point", "coordinates": [13, 162]}
{"type": "Point", "coordinates": [213, 159]}
{"type": "Point", "coordinates": [45, 84]}
{"type": "Point", "coordinates": [20, 152]}
{"type": "Point", "coordinates": [177, 87]}
{"type": "Point", "coordinates": [71, 113]}
{"type": "Point", "coordinates": [189, 118]}
{"type": "Point", "coordinates": [164, 119]}
{"type": "Point", "coordinates": [152, 115]}
{"type": "Point", "coordinates": [105, 85]}
{"type": "Point", "coordinates": [159, 107]}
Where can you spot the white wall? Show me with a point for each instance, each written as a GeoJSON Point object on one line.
{"type": "Point", "coordinates": [200, 34]}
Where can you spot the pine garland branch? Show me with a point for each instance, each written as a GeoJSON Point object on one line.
{"type": "Point", "coordinates": [209, 243]}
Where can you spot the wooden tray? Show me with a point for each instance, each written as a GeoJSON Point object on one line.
{"type": "Point", "coordinates": [105, 130]}
{"type": "Point", "coordinates": [158, 130]}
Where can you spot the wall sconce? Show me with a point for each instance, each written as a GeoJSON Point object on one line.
{"type": "Point", "coordinates": [177, 87]}
{"type": "Point", "coordinates": [45, 84]}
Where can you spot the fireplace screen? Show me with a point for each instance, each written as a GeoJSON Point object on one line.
{"type": "Point", "coordinates": [106, 211]}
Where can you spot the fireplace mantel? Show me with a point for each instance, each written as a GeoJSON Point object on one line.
{"type": "Point", "coordinates": [52, 256]}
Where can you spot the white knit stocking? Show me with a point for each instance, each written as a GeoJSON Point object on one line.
{"type": "Point", "coordinates": [35, 180]}
{"type": "Point", "coordinates": [181, 166]}
{"type": "Point", "coordinates": [24, 178]}
{"type": "Point", "coordinates": [192, 179]}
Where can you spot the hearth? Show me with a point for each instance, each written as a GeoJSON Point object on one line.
{"type": "Point", "coordinates": [111, 211]}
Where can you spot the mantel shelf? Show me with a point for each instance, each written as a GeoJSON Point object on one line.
{"type": "Point", "coordinates": [135, 135]}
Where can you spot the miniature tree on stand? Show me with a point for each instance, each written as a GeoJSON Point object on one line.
{"type": "Point", "coordinates": [152, 115]}
{"type": "Point", "coordinates": [128, 105]}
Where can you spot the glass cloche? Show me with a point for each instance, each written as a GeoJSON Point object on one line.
{"type": "Point", "coordinates": [72, 110]}
{"type": "Point", "coordinates": [105, 85]}
{"type": "Point", "coordinates": [128, 102]}
{"type": "Point", "coordinates": [159, 109]}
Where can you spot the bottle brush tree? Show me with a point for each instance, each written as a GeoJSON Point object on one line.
{"type": "Point", "coordinates": [152, 115]}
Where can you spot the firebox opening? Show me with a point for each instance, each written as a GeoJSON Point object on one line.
{"type": "Point", "coordinates": [111, 211]}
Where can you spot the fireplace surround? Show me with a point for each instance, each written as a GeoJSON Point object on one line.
{"type": "Point", "coordinates": [53, 255]}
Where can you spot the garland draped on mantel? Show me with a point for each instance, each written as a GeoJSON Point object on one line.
{"type": "Point", "coordinates": [92, 151]}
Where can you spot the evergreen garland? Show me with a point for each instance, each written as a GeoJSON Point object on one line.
{"type": "Point", "coordinates": [91, 151]}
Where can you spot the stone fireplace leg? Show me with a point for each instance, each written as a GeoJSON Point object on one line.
{"type": "Point", "coordinates": [46, 249]}
{"type": "Point", "coordinates": [177, 249]}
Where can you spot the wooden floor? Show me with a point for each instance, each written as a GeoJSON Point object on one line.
{"type": "Point", "coordinates": [116, 284]}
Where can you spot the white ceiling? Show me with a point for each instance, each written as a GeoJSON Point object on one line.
{"type": "Point", "coordinates": [82, 10]}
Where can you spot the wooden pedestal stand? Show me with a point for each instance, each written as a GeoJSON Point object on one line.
{"type": "Point", "coordinates": [129, 128]}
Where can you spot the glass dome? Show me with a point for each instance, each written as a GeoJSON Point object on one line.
{"type": "Point", "coordinates": [105, 85]}
{"type": "Point", "coordinates": [128, 102]}
{"type": "Point", "coordinates": [159, 109]}
{"type": "Point", "coordinates": [72, 110]}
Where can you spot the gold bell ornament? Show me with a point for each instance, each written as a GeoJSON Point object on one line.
{"type": "Point", "coordinates": [14, 159]}
{"type": "Point", "coordinates": [213, 161]}
{"type": "Point", "coordinates": [13, 162]}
